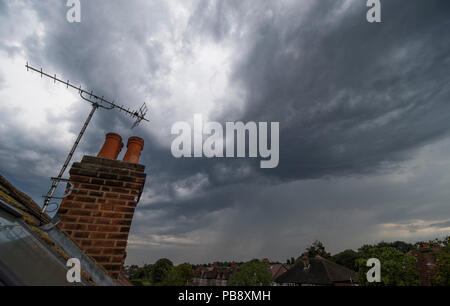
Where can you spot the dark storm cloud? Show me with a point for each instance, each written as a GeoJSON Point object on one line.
{"type": "Point", "coordinates": [441, 224]}
{"type": "Point", "coordinates": [349, 94]}
{"type": "Point", "coordinates": [352, 98]}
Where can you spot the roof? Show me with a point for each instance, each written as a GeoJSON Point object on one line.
{"type": "Point", "coordinates": [214, 272]}
{"type": "Point", "coordinates": [22, 202]}
{"type": "Point", "coordinates": [28, 233]}
{"type": "Point", "coordinates": [319, 272]}
{"type": "Point", "coordinates": [277, 270]}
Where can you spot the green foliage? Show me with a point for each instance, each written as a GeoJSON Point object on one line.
{"type": "Point", "coordinates": [397, 268]}
{"type": "Point", "coordinates": [317, 248]}
{"type": "Point", "coordinates": [160, 270]}
{"type": "Point", "coordinates": [252, 273]}
{"type": "Point", "coordinates": [140, 276]}
{"type": "Point", "coordinates": [442, 276]}
{"type": "Point", "coordinates": [291, 261]}
{"type": "Point", "coordinates": [186, 272]}
{"type": "Point", "coordinates": [401, 246]}
{"type": "Point", "coordinates": [347, 259]}
{"type": "Point", "coordinates": [179, 276]}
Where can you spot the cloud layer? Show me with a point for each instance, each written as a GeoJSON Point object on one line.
{"type": "Point", "coordinates": [363, 111]}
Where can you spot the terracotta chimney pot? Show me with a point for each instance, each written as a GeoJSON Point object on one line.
{"type": "Point", "coordinates": [112, 146]}
{"type": "Point", "coordinates": [134, 148]}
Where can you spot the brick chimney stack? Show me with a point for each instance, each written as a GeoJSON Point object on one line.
{"type": "Point", "coordinates": [97, 215]}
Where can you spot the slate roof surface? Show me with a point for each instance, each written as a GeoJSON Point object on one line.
{"type": "Point", "coordinates": [30, 212]}
{"type": "Point", "coordinates": [319, 272]}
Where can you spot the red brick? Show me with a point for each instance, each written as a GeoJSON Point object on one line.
{"type": "Point", "coordinates": [125, 229]}
{"type": "Point", "coordinates": [120, 171]}
{"type": "Point", "coordinates": [121, 243]}
{"type": "Point", "coordinates": [102, 221]}
{"type": "Point", "coordinates": [101, 259]}
{"type": "Point", "coordinates": [97, 235]}
{"type": "Point", "coordinates": [90, 206]}
{"type": "Point", "coordinates": [110, 195]}
{"type": "Point", "coordinates": [79, 179]}
{"type": "Point", "coordinates": [96, 194]}
{"type": "Point", "coordinates": [97, 181]}
{"type": "Point", "coordinates": [74, 226]}
{"type": "Point", "coordinates": [108, 176]}
{"type": "Point", "coordinates": [69, 219]}
{"type": "Point", "coordinates": [81, 234]}
{"type": "Point", "coordinates": [78, 192]}
{"type": "Point", "coordinates": [132, 186]}
{"type": "Point", "coordinates": [93, 251]}
{"type": "Point", "coordinates": [118, 236]}
{"type": "Point", "coordinates": [90, 187]}
{"type": "Point", "coordinates": [92, 227]}
{"type": "Point", "coordinates": [85, 199]}
{"type": "Point", "coordinates": [115, 202]}
{"type": "Point", "coordinates": [113, 267]}
{"type": "Point", "coordinates": [70, 204]}
{"type": "Point", "coordinates": [127, 179]}
{"type": "Point", "coordinates": [86, 220]}
{"type": "Point", "coordinates": [106, 207]}
{"type": "Point", "coordinates": [131, 204]}
{"type": "Point", "coordinates": [99, 213]}
{"type": "Point", "coordinates": [79, 212]}
{"type": "Point", "coordinates": [103, 243]}
{"type": "Point", "coordinates": [120, 222]}
{"type": "Point", "coordinates": [112, 215]}
{"type": "Point", "coordinates": [124, 209]}
{"type": "Point", "coordinates": [117, 259]}
{"type": "Point", "coordinates": [96, 214]}
{"type": "Point", "coordinates": [114, 183]}
{"type": "Point", "coordinates": [108, 228]}
{"type": "Point", "coordinates": [126, 197]}
{"type": "Point", "coordinates": [111, 251]}
{"type": "Point", "coordinates": [86, 242]}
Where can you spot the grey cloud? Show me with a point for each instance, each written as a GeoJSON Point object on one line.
{"type": "Point", "coordinates": [350, 95]}
{"type": "Point", "coordinates": [354, 100]}
{"type": "Point", "coordinates": [441, 224]}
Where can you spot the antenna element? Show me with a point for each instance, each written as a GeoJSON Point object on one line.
{"type": "Point", "coordinates": [96, 102]}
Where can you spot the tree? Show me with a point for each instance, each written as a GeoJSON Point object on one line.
{"type": "Point", "coordinates": [347, 259]}
{"type": "Point", "coordinates": [179, 275]}
{"type": "Point", "coordinates": [140, 276]}
{"type": "Point", "coordinates": [186, 272]}
{"type": "Point", "coordinates": [252, 273]}
{"type": "Point", "coordinates": [317, 248]}
{"type": "Point", "coordinates": [397, 268]}
{"type": "Point", "coordinates": [442, 276]}
{"type": "Point", "coordinates": [160, 270]}
{"type": "Point", "coordinates": [399, 245]}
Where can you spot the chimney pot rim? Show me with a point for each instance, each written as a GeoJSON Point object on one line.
{"type": "Point", "coordinates": [135, 139]}
{"type": "Point", "coordinates": [114, 135]}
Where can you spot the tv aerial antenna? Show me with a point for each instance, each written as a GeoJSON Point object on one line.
{"type": "Point", "coordinates": [96, 103]}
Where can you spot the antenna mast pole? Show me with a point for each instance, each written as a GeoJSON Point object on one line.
{"type": "Point", "coordinates": [96, 102]}
{"type": "Point", "coordinates": [56, 181]}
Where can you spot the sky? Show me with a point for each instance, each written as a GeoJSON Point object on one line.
{"type": "Point", "coordinates": [363, 110]}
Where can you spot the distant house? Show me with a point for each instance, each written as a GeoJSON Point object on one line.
{"type": "Point", "coordinates": [213, 276]}
{"type": "Point", "coordinates": [278, 269]}
{"type": "Point", "coordinates": [216, 276]}
{"type": "Point", "coordinates": [426, 262]}
{"type": "Point", "coordinates": [317, 271]}
{"type": "Point", "coordinates": [92, 223]}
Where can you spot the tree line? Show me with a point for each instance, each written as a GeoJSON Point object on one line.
{"type": "Point", "coordinates": [398, 266]}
